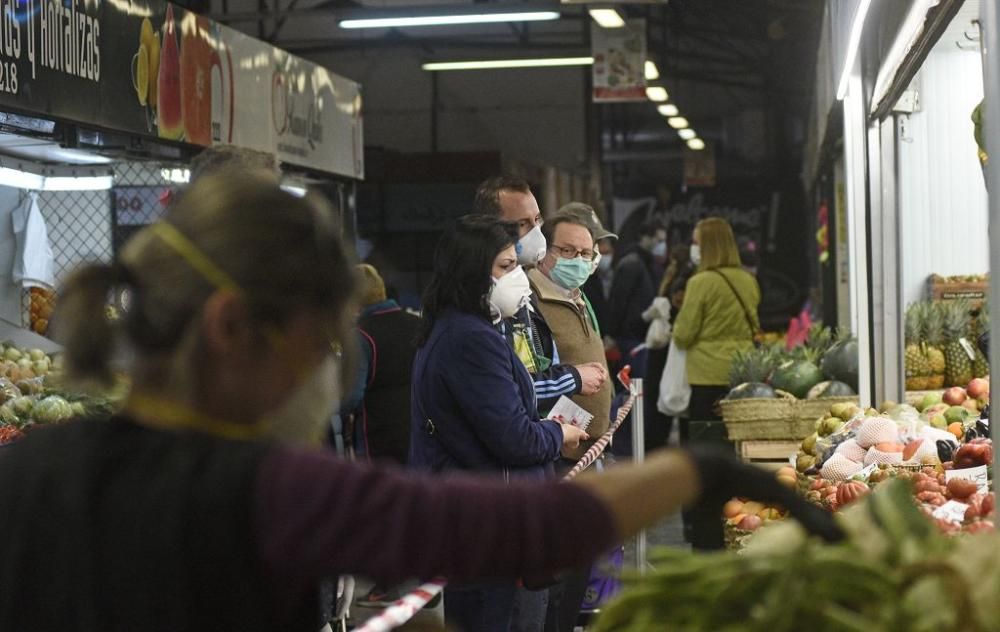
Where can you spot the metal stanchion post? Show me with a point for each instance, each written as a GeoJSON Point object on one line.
{"type": "Point", "coordinates": [638, 456]}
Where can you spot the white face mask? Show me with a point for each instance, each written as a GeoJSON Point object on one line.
{"type": "Point", "coordinates": [510, 293]}
{"type": "Point", "coordinates": [532, 247]}
{"type": "Point", "coordinates": [660, 250]}
{"type": "Point", "coordinates": [304, 417]}
{"type": "Point", "coordinates": [604, 263]}
{"type": "Point", "coordinates": [696, 254]}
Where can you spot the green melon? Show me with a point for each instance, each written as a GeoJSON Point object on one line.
{"type": "Point", "coordinates": [796, 377]}
{"type": "Point", "coordinates": [752, 390]}
{"type": "Point", "coordinates": [841, 362]}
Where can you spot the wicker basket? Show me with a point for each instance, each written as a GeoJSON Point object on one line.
{"type": "Point", "coordinates": [757, 419]}
{"type": "Point", "coordinates": [811, 409]}
{"type": "Point", "coordinates": [758, 409]}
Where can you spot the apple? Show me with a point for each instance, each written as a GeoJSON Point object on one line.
{"type": "Point", "coordinates": [954, 396]}
{"type": "Point", "coordinates": [972, 405]}
{"type": "Point", "coordinates": [750, 523]}
{"type": "Point", "coordinates": [930, 399]}
{"type": "Point", "coordinates": [732, 508]}
{"type": "Point", "coordinates": [978, 388]}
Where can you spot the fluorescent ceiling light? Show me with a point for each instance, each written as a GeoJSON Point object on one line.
{"type": "Point", "coordinates": [677, 122]}
{"type": "Point", "coordinates": [657, 93]}
{"type": "Point", "coordinates": [853, 42]}
{"type": "Point", "coordinates": [651, 71]}
{"type": "Point", "coordinates": [37, 182]}
{"type": "Point", "coordinates": [696, 144]}
{"type": "Point", "coordinates": [607, 18]}
{"type": "Point", "coordinates": [509, 63]}
{"type": "Point", "coordinates": [687, 133]}
{"type": "Point", "coordinates": [298, 190]}
{"type": "Point", "coordinates": [445, 20]}
{"type": "Point", "coordinates": [905, 39]}
{"type": "Point", "coordinates": [20, 179]}
{"type": "Point", "coordinates": [668, 110]}
{"type": "Point", "coordinates": [72, 183]}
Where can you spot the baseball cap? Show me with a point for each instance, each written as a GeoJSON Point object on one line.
{"type": "Point", "coordinates": [586, 214]}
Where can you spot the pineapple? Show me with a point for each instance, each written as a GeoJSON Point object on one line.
{"type": "Point", "coordinates": [916, 362]}
{"type": "Point", "coordinates": [958, 370]}
{"type": "Point", "coordinates": [932, 328]}
{"type": "Point", "coordinates": [751, 366]}
{"type": "Point", "coordinates": [981, 365]}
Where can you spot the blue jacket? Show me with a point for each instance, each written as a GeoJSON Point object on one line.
{"type": "Point", "coordinates": [473, 404]}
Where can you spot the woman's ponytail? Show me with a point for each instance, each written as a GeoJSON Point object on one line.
{"type": "Point", "coordinates": [82, 323]}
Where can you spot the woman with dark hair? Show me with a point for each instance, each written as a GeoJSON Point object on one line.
{"type": "Point", "coordinates": [473, 404]}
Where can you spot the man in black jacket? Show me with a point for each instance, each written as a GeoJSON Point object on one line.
{"type": "Point", "coordinates": [634, 287]}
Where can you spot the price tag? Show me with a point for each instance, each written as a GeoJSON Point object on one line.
{"type": "Point", "coordinates": [979, 475]}
{"type": "Point", "coordinates": [967, 346]}
{"type": "Point", "coordinates": [864, 474]}
{"type": "Point", "coordinates": [952, 511]}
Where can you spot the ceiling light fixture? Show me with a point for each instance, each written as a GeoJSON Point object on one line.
{"type": "Point", "coordinates": [657, 93]}
{"type": "Point", "coordinates": [677, 122]}
{"type": "Point", "coordinates": [853, 42]}
{"type": "Point", "coordinates": [607, 18]}
{"type": "Point", "coordinates": [72, 183]}
{"type": "Point", "coordinates": [651, 71]}
{"type": "Point", "coordinates": [696, 144]}
{"type": "Point", "coordinates": [446, 20]}
{"type": "Point", "coordinates": [668, 110]}
{"type": "Point", "coordinates": [509, 63]}
{"type": "Point", "coordinates": [687, 134]}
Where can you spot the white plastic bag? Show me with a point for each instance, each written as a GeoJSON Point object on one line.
{"type": "Point", "coordinates": [33, 262]}
{"type": "Point", "coordinates": [675, 392]}
{"type": "Point", "coordinates": [658, 317]}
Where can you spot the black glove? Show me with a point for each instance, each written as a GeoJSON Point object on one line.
{"type": "Point", "coordinates": [723, 477]}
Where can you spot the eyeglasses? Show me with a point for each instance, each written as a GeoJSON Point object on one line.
{"type": "Point", "coordinates": [572, 253]}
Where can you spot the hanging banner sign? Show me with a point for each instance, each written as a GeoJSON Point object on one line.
{"type": "Point", "coordinates": [157, 70]}
{"type": "Point", "coordinates": [699, 167]}
{"type": "Point", "coordinates": [619, 62]}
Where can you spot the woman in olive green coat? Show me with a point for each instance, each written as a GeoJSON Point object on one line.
{"type": "Point", "coordinates": [719, 315]}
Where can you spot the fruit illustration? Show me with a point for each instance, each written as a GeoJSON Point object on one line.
{"type": "Point", "coordinates": [198, 57]}
{"type": "Point", "coordinates": [169, 116]}
{"type": "Point", "coordinates": [140, 76]}
{"type": "Point", "coordinates": [148, 38]}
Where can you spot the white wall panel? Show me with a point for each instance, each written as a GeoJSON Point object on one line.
{"type": "Point", "coordinates": [942, 195]}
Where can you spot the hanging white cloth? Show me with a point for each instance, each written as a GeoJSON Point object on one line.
{"type": "Point", "coordinates": [33, 260]}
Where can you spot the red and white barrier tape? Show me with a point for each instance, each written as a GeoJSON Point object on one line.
{"type": "Point", "coordinates": [406, 608]}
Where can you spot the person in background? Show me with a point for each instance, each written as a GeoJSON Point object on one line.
{"type": "Point", "coordinates": [176, 514]}
{"type": "Point", "coordinates": [598, 286]}
{"type": "Point", "coordinates": [718, 318]}
{"type": "Point", "coordinates": [659, 426]}
{"type": "Point", "coordinates": [509, 198]}
{"type": "Point", "coordinates": [633, 288]}
{"type": "Point", "coordinates": [556, 283]}
{"type": "Point", "coordinates": [473, 404]}
{"type": "Point", "coordinates": [749, 257]}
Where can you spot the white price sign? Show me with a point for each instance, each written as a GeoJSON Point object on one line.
{"type": "Point", "coordinates": [952, 511]}
{"type": "Point", "coordinates": [979, 475]}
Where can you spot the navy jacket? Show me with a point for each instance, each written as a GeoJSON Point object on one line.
{"type": "Point", "coordinates": [473, 404]}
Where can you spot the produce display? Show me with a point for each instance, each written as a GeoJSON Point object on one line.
{"type": "Point", "coordinates": [940, 344]}
{"type": "Point", "coordinates": [825, 366]}
{"type": "Point", "coordinates": [31, 394]}
{"type": "Point", "coordinates": [894, 572]}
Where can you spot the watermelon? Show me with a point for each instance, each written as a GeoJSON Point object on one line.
{"type": "Point", "coordinates": [796, 377]}
{"type": "Point", "coordinates": [752, 390]}
{"type": "Point", "coordinates": [830, 388]}
{"type": "Point", "coordinates": [841, 362]}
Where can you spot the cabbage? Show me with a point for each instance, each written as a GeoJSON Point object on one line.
{"type": "Point", "coordinates": [22, 406]}
{"type": "Point", "coordinates": [52, 409]}
{"type": "Point", "coordinates": [8, 391]}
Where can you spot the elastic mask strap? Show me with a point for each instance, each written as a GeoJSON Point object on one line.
{"type": "Point", "coordinates": [195, 257]}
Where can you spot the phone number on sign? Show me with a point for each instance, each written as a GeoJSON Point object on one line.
{"type": "Point", "coordinates": [8, 77]}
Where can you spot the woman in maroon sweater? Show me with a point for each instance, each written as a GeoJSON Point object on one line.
{"type": "Point", "coordinates": [176, 515]}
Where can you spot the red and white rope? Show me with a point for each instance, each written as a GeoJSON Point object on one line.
{"type": "Point", "coordinates": [410, 604]}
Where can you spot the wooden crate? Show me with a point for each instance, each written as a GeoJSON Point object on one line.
{"type": "Point", "coordinates": [772, 455]}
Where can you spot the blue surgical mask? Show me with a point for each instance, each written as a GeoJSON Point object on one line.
{"type": "Point", "coordinates": [660, 250]}
{"type": "Point", "coordinates": [570, 274]}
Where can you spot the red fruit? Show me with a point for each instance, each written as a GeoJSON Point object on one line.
{"type": "Point", "coordinates": [980, 526]}
{"type": "Point", "coordinates": [975, 509]}
{"type": "Point", "coordinates": [961, 488]}
{"type": "Point", "coordinates": [954, 396]}
{"type": "Point", "coordinates": [978, 388]}
{"type": "Point", "coordinates": [931, 498]}
{"type": "Point", "coordinates": [851, 491]}
{"type": "Point", "coordinates": [989, 504]}
{"type": "Point", "coordinates": [817, 485]}
{"type": "Point", "coordinates": [928, 486]}
{"type": "Point", "coordinates": [974, 453]}
{"type": "Point", "coordinates": [750, 523]}
{"type": "Point", "coordinates": [911, 449]}
{"type": "Point", "coordinates": [168, 108]}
